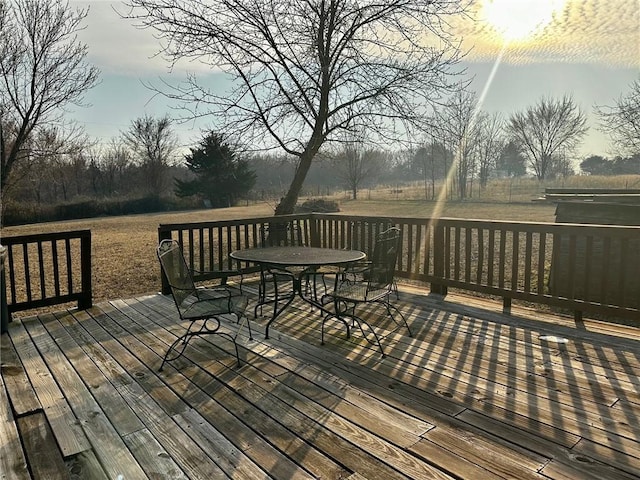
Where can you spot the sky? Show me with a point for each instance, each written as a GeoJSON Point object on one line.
{"type": "Point", "coordinates": [519, 51]}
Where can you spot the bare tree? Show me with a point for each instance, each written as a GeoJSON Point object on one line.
{"type": "Point", "coordinates": [622, 121]}
{"type": "Point", "coordinates": [430, 160]}
{"type": "Point", "coordinates": [42, 70]}
{"type": "Point", "coordinates": [153, 143]}
{"type": "Point", "coordinates": [458, 121]}
{"type": "Point", "coordinates": [113, 163]}
{"type": "Point", "coordinates": [490, 144]}
{"type": "Point", "coordinates": [305, 72]}
{"type": "Point", "coordinates": [547, 129]}
{"type": "Point", "coordinates": [355, 165]}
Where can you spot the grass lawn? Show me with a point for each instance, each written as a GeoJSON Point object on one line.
{"type": "Point", "coordinates": [123, 248]}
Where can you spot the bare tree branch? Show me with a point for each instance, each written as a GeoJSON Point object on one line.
{"type": "Point", "coordinates": [622, 121]}
{"type": "Point", "coordinates": [42, 70]}
{"type": "Point", "coordinates": [304, 72]}
{"type": "Point", "coordinates": [551, 127]}
{"type": "Point", "coordinates": [153, 143]}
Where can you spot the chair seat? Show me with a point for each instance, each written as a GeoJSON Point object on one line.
{"type": "Point", "coordinates": [358, 292]}
{"type": "Point", "coordinates": [211, 302]}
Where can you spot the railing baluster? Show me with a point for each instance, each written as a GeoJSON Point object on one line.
{"type": "Point", "coordinates": [12, 274]}
{"type": "Point", "coordinates": [27, 270]}
{"type": "Point", "coordinates": [502, 258]}
{"type": "Point", "coordinates": [528, 255]}
{"type": "Point", "coordinates": [201, 257]}
{"type": "Point", "coordinates": [480, 268]}
{"type": "Point", "coordinates": [515, 249]}
{"type": "Point", "coordinates": [467, 254]}
{"type": "Point", "coordinates": [447, 252]}
{"type": "Point", "coordinates": [56, 267]}
{"type": "Point", "coordinates": [67, 249]}
{"type": "Point", "coordinates": [43, 285]}
{"type": "Point", "coordinates": [542, 248]}
{"type": "Point", "coordinates": [491, 259]}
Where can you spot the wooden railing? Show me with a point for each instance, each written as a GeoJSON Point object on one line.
{"type": "Point", "coordinates": [583, 268]}
{"type": "Point", "coordinates": [48, 269]}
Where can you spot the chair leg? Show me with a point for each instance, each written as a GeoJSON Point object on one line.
{"type": "Point", "coordinates": [185, 339]}
{"type": "Point", "coordinates": [327, 317]}
{"type": "Point", "coordinates": [390, 307]}
{"type": "Point", "coordinates": [190, 333]}
{"type": "Point", "coordinates": [241, 321]}
{"type": "Point", "coordinates": [359, 322]}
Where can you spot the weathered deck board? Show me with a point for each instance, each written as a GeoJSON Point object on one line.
{"type": "Point", "coordinates": [102, 435]}
{"type": "Point", "coordinates": [65, 426]}
{"type": "Point", "coordinates": [16, 381]}
{"type": "Point", "coordinates": [13, 464]}
{"type": "Point", "coordinates": [44, 460]}
{"type": "Point", "coordinates": [474, 394]}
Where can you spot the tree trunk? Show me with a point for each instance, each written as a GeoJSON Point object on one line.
{"type": "Point", "coordinates": [288, 203]}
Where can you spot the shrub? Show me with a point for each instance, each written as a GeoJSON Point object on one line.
{"type": "Point", "coordinates": [79, 209]}
{"type": "Point", "coordinates": [17, 213]}
{"type": "Point", "coordinates": [319, 205]}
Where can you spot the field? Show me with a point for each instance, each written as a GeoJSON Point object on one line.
{"type": "Point", "coordinates": [123, 248]}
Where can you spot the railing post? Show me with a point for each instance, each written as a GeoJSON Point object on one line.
{"type": "Point", "coordinates": [86, 301]}
{"type": "Point", "coordinates": [164, 235]}
{"type": "Point", "coordinates": [438, 258]}
{"type": "Point", "coordinates": [506, 305]}
{"type": "Point", "coordinates": [4, 312]}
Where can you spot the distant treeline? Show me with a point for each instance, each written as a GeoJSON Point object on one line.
{"type": "Point", "coordinates": [597, 165]}
{"type": "Point", "coordinates": [85, 186]}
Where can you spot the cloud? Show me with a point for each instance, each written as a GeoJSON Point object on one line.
{"type": "Point", "coordinates": [117, 46]}
{"type": "Point", "coordinates": [584, 31]}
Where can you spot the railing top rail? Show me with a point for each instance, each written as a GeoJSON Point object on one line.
{"type": "Point", "coordinates": [549, 227]}
{"type": "Point", "coordinates": [592, 190]}
{"type": "Point", "coordinates": [44, 237]}
{"type": "Point", "coordinates": [226, 223]}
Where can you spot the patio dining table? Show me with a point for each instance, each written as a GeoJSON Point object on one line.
{"type": "Point", "coordinates": [297, 263]}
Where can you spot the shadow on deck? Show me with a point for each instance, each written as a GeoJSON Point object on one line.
{"type": "Point", "coordinates": [475, 395]}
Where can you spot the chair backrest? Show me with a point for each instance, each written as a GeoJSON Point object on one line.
{"type": "Point", "coordinates": [364, 233]}
{"type": "Point", "coordinates": [383, 261]}
{"type": "Point", "coordinates": [176, 270]}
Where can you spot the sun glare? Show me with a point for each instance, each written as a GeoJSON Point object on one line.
{"type": "Point", "coordinates": [520, 19]}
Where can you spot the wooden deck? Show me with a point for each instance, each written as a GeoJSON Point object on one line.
{"type": "Point", "coordinates": [474, 395]}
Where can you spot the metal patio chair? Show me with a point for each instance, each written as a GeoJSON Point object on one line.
{"type": "Point", "coordinates": [370, 284]}
{"type": "Point", "coordinates": [277, 284]}
{"type": "Point", "coordinates": [372, 227]}
{"type": "Point", "coordinates": [200, 306]}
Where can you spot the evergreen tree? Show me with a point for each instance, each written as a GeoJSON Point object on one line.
{"type": "Point", "coordinates": [220, 177]}
{"type": "Point", "coordinates": [511, 162]}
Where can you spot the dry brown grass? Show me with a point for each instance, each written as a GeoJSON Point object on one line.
{"type": "Point", "coordinates": [123, 248]}
{"type": "Point", "coordinates": [508, 189]}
